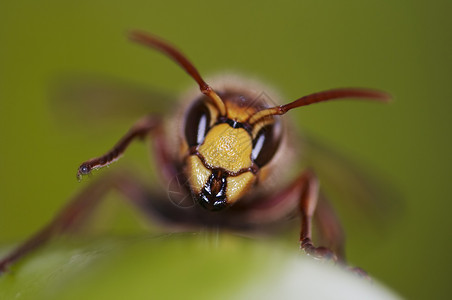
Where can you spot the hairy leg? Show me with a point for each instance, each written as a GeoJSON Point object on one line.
{"type": "Point", "coordinates": [83, 204]}
{"type": "Point", "coordinates": [301, 195]}
{"type": "Point", "coordinates": [77, 211]}
{"type": "Point", "coordinates": [140, 129]}
{"type": "Point", "coordinates": [329, 227]}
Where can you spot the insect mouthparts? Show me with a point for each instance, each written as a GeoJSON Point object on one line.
{"type": "Point", "coordinates": [213, 196]}
{"type": "Point", "coordinates": [211, 202]}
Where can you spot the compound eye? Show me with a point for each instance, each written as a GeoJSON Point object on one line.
{"type": "Point", "coordinates": [266, 143]}
{"type": "Point", "coordinates": [197, 123]}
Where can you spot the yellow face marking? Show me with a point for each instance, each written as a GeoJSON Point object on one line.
{"type": "Point", "coordinates": [237, 186]}
{"type": "Point", "coordinates": [198, 173]}
{"type": "Point", "coordinates": [228, 148]}
{"type": "Point", "coordinates": [259, 125]}
{"type": "Point", "coordinates": [239, 113]}
{"type": "Point", "coordinates": [216, 100]}
{"type": "Point", "coordinates": [213, 112]}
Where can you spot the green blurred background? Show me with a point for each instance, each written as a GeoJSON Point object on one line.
{"type": "Point", "coordinates": [402, 47]}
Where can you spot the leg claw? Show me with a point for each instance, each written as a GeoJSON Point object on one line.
{"type": "Point", "coordinates": [317, 252]}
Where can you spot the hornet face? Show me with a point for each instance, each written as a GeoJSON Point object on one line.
{"type": "Point", "coordinates": [227, 152]}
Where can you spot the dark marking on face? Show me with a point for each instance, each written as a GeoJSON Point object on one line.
{"type": "Point", "coordinates": [213, 195]}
